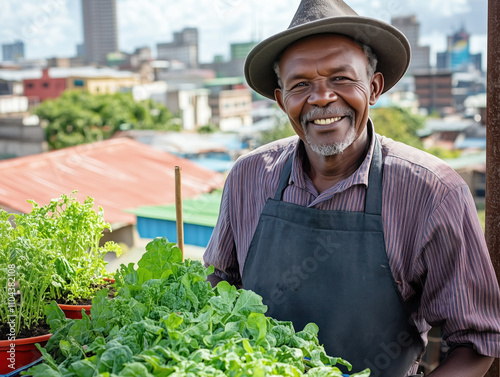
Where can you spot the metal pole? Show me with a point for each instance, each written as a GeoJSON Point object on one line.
{"type": "Point", "coordinates": [493, 147]}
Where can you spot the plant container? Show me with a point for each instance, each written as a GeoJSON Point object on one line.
{"type": "Point", "coordinates": [15, 354]}
{"type": "Point", "coordinates": [74, 311]}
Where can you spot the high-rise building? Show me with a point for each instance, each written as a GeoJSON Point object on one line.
{"type": "Point", "coordinates": [13, 51]}
{"type": "Point", "coordinates": [100, 29]}
{"type": "Point", "coordinates": [457, 56]}
{"type": "Point", "coordinates": [241, 50]}
{"type": "Point", "coordinates": [411, 29]}
{"type": "Point", "coordinates": [184, 48]}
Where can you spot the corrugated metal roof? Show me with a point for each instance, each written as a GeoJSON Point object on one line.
{"type": "Point", "coordinates": [474, 161]}
{"type": "Point", "coordinates": [202, 210]}
{"type": "Point", "coordinates": [118, 173]}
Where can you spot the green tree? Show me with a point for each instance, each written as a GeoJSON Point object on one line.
{"type": "Point", "coordinates": [282, 129]}
{"type": "Point", "coordinates": [401, 125]}
{"type": "Point", "coordinates": [398, 124]}
{"type": "Point", "coordinates": [78, 117]}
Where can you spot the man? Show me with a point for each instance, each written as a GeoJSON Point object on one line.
{"type": "Point", "coordinates": [374, 241]}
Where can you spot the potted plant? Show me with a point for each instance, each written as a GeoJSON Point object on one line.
{"type": "Point", "coordinates": [25, 278]}
{"type": "Point", "coordinates": [76, 230]}
{"type": "Point", "coordinates": [51, 253]}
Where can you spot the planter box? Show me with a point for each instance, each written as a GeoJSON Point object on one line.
{"type": "Point", "coordinates": [20, 352]}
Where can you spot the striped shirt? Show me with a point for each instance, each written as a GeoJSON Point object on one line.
{"type": "Point", "coordinates": [434, 241]}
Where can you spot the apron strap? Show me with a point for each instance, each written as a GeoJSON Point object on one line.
{"type": "Point", "coordinates": [284, 177]}
{"type": "Point", "coordinates": [373, 197]}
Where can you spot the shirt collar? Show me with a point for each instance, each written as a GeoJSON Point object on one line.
{"type": "Point", "coordinates": [360, 176]}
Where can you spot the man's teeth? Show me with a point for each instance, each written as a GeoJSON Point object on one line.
{"type": "Point", "coordinates": [326, 121]}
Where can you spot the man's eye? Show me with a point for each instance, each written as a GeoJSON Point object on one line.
{"type": "Point", "coordinates": [298, 85]}
{"type": "Point", "coordinates": [340, 78]}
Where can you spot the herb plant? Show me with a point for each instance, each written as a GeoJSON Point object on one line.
{"type": "Point", "coordinates": [25, 276]}
{"type": "Point", "coordinates": [49, 253]}
{"type": "Point", "coordinates": [166, 320]}
{"type": "Point", "coordinates": [75, 229]}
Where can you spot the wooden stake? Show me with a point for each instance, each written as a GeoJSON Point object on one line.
{"type": "Point", "coordinates": [178, 210]}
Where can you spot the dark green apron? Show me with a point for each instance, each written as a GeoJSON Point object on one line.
{"type": "Point", "coordinates": [331, 268]}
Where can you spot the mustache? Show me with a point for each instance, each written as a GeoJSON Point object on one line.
{"type": "Point", "coordinates": [325, 112]}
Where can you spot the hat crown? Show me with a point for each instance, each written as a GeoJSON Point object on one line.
{"type": "Point", "coordinates": [313, 10]}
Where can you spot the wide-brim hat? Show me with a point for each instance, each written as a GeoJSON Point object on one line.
{"type": "Point", "coordinates": [329, 16]}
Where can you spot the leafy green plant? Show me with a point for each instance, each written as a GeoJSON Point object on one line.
{"type": "Point", "coordinates": [166, 320]}
{"type": "Point", "coordinates": [25, 275]}
{"type": "Point", "coordinates": [75, 229]}
{"type": "Point", "coordinates": [50, 253]}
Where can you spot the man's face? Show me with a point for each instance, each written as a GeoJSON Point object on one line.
{"type": "Point", "coordinates": [326, 91]}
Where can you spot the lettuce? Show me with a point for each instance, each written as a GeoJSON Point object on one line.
{"type": "Point", "coordinates": [166, 320]}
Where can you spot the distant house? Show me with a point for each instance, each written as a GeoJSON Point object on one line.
{"type": "Point", "coordinates": [453, 133]}
{"type": "Point", "coordinates": [44, 87]}
{"type": "Point", "coordinates": [52, 82]}
{"type": "Point", "coordinates": [472, 168]}
{"type": "Point", "coordinates": [20, 135]}
{"type": "Point", "coordinates": [119, 174]}
{"type": "Point", "coordinates": [216, 151]}
{"type": "Point", "coordinates": [231, 103]}
{"type": "Point", "coordinates": [191, 104]}
{"type": "Point", "coordinates": [199, 217]}
{"type": "Point", "coordinates": [434, 90]}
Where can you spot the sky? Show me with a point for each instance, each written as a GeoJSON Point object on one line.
{"type": "Point", "coordinates": [51, 28]}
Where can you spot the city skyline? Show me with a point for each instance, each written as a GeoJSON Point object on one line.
{"type": "Point", "coordinates": [53, 28]}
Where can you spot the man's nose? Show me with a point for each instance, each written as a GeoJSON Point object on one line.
{"type": "Point", "coordinates": [322, 94]}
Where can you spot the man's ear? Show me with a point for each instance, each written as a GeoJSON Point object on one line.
{"type": "Point", "coordinates": [278, 95]}
{"type": "Point", "coordinates": [377, 86]}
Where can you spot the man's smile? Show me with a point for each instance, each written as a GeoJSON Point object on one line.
{"type": "Point", "coordinates": [326, 121]}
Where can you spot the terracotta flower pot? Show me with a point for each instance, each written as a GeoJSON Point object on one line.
{"type": "Point", "coordinates": [15, 354]}
{"type": "Point", "coordinates": [74, 311]}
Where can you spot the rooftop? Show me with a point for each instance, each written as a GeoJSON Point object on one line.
{"type": "Point", "coordinates": [118, 173]}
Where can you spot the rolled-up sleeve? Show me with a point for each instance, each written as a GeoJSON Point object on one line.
{"type": "Point", "coordinates": [460, 290]}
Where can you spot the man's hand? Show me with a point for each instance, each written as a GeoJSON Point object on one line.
{"type": "Point", "coordinates": [463, 362]}
{"type": "Point", "coordinates": [213, 279]}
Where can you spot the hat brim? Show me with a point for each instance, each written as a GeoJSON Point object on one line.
{"type": "Point", "coordinates": [388, 43]}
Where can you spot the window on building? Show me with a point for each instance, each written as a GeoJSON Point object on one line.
{"type": "Point", "coordinates": [29, 85]}
{"type": "Point", "coordinates": [45, 84]}
{"type": "Point", "coordinates": [78, 82]}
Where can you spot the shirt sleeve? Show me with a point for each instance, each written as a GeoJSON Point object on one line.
{"type": "Point", "coordinates": [221, 249]}
{"type": "Point", "coordinates": [459, 288]}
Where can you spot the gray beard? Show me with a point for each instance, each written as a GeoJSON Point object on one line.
{"type": "Point", "coordinates": [328, 149]}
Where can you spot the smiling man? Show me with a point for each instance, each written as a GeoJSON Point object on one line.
{"type": "Point", "coordinates": [374, 241]}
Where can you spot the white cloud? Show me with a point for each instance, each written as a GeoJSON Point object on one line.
{"type": "Point", "coordinates": [46, 27]}
{"type": "Point", "coordinates": [53, 27]}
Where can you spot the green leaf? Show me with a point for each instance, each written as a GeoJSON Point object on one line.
{"type": "Point", "coordinates": [160, 255]}
{"type": "Point", "coordinates": [173, 321]}
{"type": "Point", "coordinates": [55, 317]}
{"type": "Point", "coordinates": [257, 326]}
{"type": "Point", "coordinates": [135, 369]}
{"type": "Point", "coordinates": [113, 360]}
{"type": "Point", "coordinates": [249, 302]}
{"type": "Point", "coordinates": [42, 370]}
{"type": "Point", "coordinates": [143, 275]}
{"type": "Point", "coordinates": [84, 368]}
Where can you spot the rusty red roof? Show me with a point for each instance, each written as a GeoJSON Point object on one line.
{"type": "Point", "coordinates": [119, 174]}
